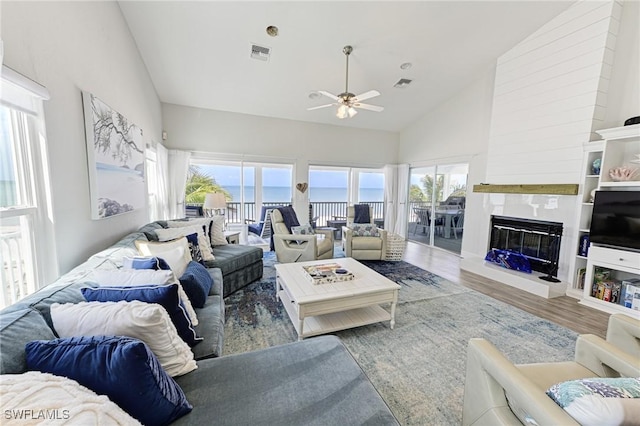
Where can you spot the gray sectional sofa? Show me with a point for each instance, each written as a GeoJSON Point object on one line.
{"type": "Point", "coordinates": [315, 381]}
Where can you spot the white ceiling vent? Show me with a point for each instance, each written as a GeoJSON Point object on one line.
{"type": "Point", "coordinates": [260, 53]}
{"type": "Point", "coordinates": [402, 83]}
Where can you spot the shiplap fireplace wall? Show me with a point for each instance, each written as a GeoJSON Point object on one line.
{"type": "Point", "coordinates": [549, 97]}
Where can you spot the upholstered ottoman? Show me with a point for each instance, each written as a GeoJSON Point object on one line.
{"type": "Point", "coordinates": [240, 265]}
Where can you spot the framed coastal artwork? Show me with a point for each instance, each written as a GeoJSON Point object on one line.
{"type": "Point", "coordinates": [115, 155]}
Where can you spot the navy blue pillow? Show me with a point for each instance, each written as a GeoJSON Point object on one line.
{"type": "Point", "coordinates": [122, 368]}
{"type": "Point", "coordinates": [155, 263]}
{"type": "Point", "coordinates": [196, 282]}
{"type": "Point", "coordinates": [194, 248]}
{"type": "Point", "coordinates": [164, 295]}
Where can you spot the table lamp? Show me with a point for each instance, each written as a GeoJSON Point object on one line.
{"type": "Point", "coordinates": [214, 203]}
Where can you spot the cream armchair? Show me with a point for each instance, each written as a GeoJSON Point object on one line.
{"type": "Point", "coordinates": [363, 247]}
{"type": "Point", "coordinates": [491, 380]}
{"type": "Point", "coordinates": [299, 248]}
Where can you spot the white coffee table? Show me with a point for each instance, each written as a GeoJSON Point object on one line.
{"type": "Point", "coordinates": [324, 308]}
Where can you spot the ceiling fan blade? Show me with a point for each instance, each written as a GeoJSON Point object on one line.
{"type": "Point", "coordinates": [321, 106]}
{"type": "Point", "coordinates": [328, 95]}
{"type": "Point", "coordinates": [366, 95]}
{"type": "Point", "coordinates": [375, 108]}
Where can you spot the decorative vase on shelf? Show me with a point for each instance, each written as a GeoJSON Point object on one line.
{"type": "Point", "coordinates": [595, 167]}
{"type": "Point", "coordinates": [622, 174]}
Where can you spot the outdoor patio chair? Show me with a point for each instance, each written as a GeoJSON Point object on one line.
{"type": "Point", "coordinates": [263, 228]}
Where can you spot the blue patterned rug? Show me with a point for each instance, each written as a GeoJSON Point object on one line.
{"type": "Point", "coordinates": [419, 366]}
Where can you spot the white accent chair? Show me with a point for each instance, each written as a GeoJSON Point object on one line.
{"type": "Point", "coordinates": [491, 379]}
{"type": "Point", "coordinates": [299, 248]}
{"type": "Point", "coordinates": [363, 247]}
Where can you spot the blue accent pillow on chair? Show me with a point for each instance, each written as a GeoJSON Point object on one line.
{"type": "Point", "coordinates": [197, 283]}
{"type": "Point", "coordinates": [164, 295]}
{"type": "Point", "coordinates": [122, 368]}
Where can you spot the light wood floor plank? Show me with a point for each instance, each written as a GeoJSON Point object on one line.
{"type": "Point", "coordinates": [564, 310]}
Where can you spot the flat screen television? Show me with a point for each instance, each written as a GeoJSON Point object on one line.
{"type": "Point", "coordinates": [615, 221]}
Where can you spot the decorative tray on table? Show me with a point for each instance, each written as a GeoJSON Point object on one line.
{"type": "Point", "coordinates": [327, 273]}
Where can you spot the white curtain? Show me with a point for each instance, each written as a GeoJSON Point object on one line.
{"type": "Point", "coordinates": [402, 179]}
{"type": "Point", "coordinates": [178, 170]}
{"type": "Point", "coordinates": [390, 195]}
{"type": "Point", "coordinates": [162, 176]}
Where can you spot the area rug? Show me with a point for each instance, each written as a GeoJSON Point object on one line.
{"type": "Point", "coordinates": [418, 367]}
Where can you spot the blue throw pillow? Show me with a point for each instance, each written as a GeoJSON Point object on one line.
{"type": "Point", "coordinates": [146, 262]}
{"type": "Point", "coordinates": [196, 282]}
{"type": "Point", "coordinates": [164, 295]}
{"type": "Point", "coordinates": [122, 368]}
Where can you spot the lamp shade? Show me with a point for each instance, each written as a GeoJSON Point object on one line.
{"type": "Point", "coordinates": [214, 200]}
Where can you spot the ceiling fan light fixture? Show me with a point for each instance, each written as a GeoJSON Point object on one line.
{"type": "Point", "coordinates": [342, 112]}
{"type": "Point", "coordinates": [352, 111]}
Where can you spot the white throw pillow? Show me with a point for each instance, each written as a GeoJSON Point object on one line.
{"type": "Point", "coordinates": [148, 322]}
{"type": "Point", "coordinates": [59, 398]}
{"type": "Point", "coordinates": [217, 231]}
{"type": "Point", "coordinates": [176, 253]}
{"type": "Point", "coordinates": [137, 277]}
{"type": "Point", "coordinates": [204, 243]}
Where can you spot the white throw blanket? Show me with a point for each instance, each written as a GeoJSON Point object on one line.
{"type": "Point", "coordinates": [35, 398]}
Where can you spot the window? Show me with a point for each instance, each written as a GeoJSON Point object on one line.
{"type": "Point", "coordinates": [331, 189]}
{"type": "Point", "coordinates": [25, 212]}
{"type": "Point", "coordinates": [246, 185]}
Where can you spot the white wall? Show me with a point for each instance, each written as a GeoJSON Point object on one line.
{"type": "Point", "coordinates": [624, 85]}
{"type": "Point", "coordinates": [196, 129]}
{"type": "Point", "coordinates": [457, 127]}
{"type": "Point", "coordinates": [549, 90]}
{"type": "Point", "coordinates": [70, 47]}
{"type": "Point", "coordinates": [458, 130]}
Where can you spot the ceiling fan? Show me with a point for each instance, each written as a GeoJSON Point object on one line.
{"type": "Point", "coordinates": [348, 102]}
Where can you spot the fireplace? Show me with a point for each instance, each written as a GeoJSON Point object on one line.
{"type": "Point", "coordinates": [537, 240]}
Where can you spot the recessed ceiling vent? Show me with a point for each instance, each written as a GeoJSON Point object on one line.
{"type": "Point", "coordinates": [402, 83]}
{"type": "Point", "coordinates": [260, 53]}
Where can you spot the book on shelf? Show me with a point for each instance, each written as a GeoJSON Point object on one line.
{"type": "Point", "coordinates": [580, 275]}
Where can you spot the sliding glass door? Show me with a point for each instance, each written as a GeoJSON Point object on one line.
{"type": "Point", "coordinates": [437, 201]}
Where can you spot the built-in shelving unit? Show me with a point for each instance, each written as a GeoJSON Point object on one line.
{"type": "Point", "coordinates": [597, 265]}
{"type": "Point", "coordinates": [590, 178]}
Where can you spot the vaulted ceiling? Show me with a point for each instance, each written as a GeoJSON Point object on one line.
{"type": "Point", "coordinates": [199, 53]}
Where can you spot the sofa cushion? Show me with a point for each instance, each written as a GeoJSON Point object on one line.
{"type": "Point", "coordinates": [211, 329]}
{"type": "Point", "coordinates": [315, 381]}
{"type": "Point", "coordinates": [16, 330]}
{"type": "Point", "coordinates": [45, 297]}
{"type": "Point", "coordinates": [166, 296]}
{"type": "Point", "coordinates": [122, 368]}
{"type": "Point", "coordinates": [233, 257]}
{"type": "Point", "coordinates": [145, 321]}
{"type": "Point", "coordinates": [149, 229]}
{"type": "Point", "coordinates": [125, 247]}
{"type": "Point", "coordinates": [68, 400]}
{"type": "Point", "coordinates": [197, 283]}
{"type": "Point", "coordinates": [366, 243]}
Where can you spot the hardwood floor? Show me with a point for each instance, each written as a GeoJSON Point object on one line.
{"type": "Point", "coordinates": [564, 310]}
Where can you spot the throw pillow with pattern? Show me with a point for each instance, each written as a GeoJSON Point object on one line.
{"type": "Point", "coordinates": [365, 230]}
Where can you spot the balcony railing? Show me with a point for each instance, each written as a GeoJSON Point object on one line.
{"type": "Point", "coordinates": [323, 210]}
{"type": "Point", "coordinates": [16, 276]}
